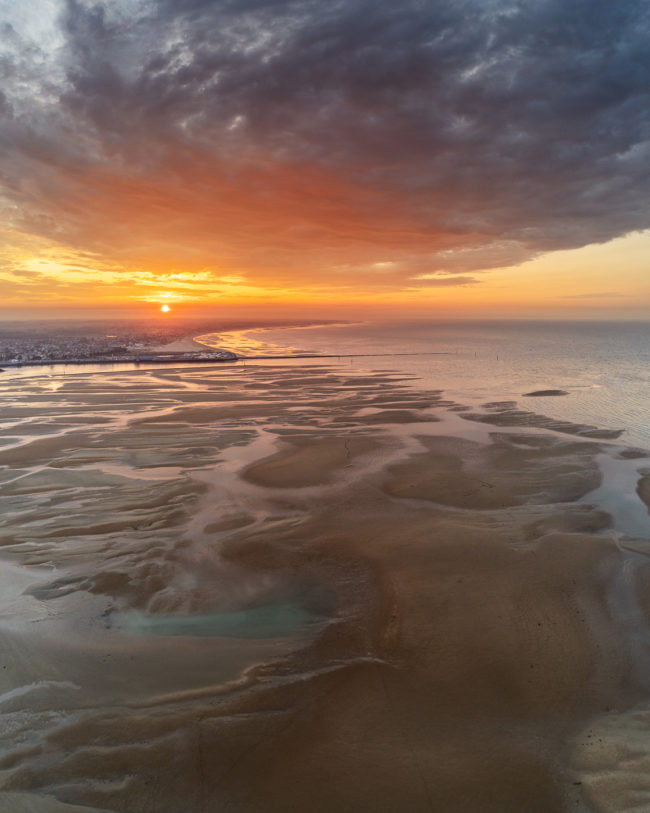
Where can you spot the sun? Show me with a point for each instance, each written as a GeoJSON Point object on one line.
{"type": "Point", "coordinates": [164, 308]}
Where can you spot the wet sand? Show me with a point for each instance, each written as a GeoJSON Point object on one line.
{"type": "Point", "coordinates": [506, 413]}
{"type": "Point", "coordinates": [252, 590]}
{"type": "Point", "coordinates": [643, 489]}
{"type": "Point", "coordinates": [309, 461]}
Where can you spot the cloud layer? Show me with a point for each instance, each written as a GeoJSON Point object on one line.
{"type": "Point", "coordinates": [295, 141]}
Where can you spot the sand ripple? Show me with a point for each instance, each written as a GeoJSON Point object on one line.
{"type": "Point", "coordinates": [257, 590]}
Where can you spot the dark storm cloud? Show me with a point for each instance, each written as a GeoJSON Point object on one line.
{"type": "Point", "coordinates": [472, 125]}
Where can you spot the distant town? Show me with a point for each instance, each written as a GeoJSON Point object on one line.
{"type": "Point", "coordinates": [102, 342]}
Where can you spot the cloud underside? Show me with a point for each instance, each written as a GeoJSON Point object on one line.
{"type": "Point", "coordinates": [351, 142]}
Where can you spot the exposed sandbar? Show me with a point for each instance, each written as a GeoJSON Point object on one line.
{"type": "Point", "coordinates": [544, 393]}
{"type": "Point", "coordinates": [643, 489]}
{"type": "Point", "coordinates": [477, 651]}
{"type": "Point", "coordinates": [389, 416]}
{"type": "Point", "coordinates": [506, 413]}
{"type": "Point", "coordinates": [470, 630]}
{"type": "Point", "coordinates": [309, 461]}
{"type": "Point", "coordinates": [464, 474]}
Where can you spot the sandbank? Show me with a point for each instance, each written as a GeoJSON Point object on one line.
{"type": "Point", "coordinates": [309, 461]}
{"type": "Point", "coordinates": [506, 413]}
{"type": "Point", "coordinates": [643, 489]}
{"type": "Point", "coordinates": [451, 599]}
{"type": "Point", "coordinates": [544, 393]}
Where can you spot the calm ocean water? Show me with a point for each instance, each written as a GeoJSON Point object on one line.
{"type": "Point", "coordinates": [603, 366]}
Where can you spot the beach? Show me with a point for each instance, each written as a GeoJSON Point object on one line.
{"type": "Point", "coordinates": [324, 407]}
{"type": "Point", "coordinates": [291, 586]}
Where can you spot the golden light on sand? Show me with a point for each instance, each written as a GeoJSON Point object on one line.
{"type": "Point", "coordinates": [164, 308]}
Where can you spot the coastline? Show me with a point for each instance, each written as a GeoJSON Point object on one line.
{"type": "Point", "coordinates": [187, 344]}
{"type": "Point", "coordinates": [235, 340]}
{"type": "Point", "coordinates": [453, 584]}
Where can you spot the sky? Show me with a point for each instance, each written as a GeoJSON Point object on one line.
{"type": "Point", "coordinates": [434, 157]}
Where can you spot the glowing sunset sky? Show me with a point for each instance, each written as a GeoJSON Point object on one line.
{"type": "Point", "coordinates": [465, 157]}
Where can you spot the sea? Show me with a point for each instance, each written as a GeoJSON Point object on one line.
{"type": "Point", "coordinates": [603, 367]}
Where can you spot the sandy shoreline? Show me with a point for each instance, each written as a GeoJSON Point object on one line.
{"type": "Point", "coordinates": [187, 344]}
{"type": "Point", "coordinates": [451, 599]}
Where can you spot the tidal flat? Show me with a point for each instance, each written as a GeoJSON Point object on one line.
{"type": "Point", "coordinates": [298, 587]}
